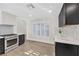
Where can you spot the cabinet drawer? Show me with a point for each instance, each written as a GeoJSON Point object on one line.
{"type": "Point", "coordinates": [62, 49]}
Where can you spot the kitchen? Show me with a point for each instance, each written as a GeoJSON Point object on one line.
{"type": "Point", "coordinates": [67, 44]}
{"type": "Point", "coordinates": [39, 29]}
{"type": "Point", "coordinates": [8, 37]}
{"type": "Point", "coordinates": [20, 24]}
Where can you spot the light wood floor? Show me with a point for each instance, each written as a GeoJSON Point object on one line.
{"type": "Point", "coordinates": [33, 48]}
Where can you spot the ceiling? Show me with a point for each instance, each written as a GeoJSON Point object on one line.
{"type": "Point", "coordinates": [39, 10]}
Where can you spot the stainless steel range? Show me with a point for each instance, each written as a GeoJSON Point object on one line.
{"type": "Point", "coordinates": [11, 41]}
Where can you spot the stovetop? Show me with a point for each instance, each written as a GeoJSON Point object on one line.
{"type": "Point", "coordinates": [8, 34]}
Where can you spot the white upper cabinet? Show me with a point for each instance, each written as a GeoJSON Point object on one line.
{"type": "Point", "coordinates": [7, 19]}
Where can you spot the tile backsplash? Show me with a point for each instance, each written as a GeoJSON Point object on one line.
{"type": "Point", "coordinates": [6, 29]}
{"type": "Point", "coordinates": [71, 32]}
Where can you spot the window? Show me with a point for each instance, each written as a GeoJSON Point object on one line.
{"type": "Point", "coordinates": [40, 29]}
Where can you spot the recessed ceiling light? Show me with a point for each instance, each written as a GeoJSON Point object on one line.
{"type": "Point", "coordinates": [30, 15]}
{"type": "Point", "coordinates": [50, 11]}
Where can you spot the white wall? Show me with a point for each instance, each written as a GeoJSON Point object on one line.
{"type": "Point", "coordinates": [53, 26]}
{"type": "Point", "coordinates": [21, 25]}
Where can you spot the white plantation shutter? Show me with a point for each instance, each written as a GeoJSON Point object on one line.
{"type": "Point", "coordinates": [40, 29]}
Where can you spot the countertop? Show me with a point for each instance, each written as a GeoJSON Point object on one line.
{"type": "Point", "coordinates": [67, 40]}
{"type": "Point", "coordinates": [20, 33]}
{"type": "Point", "coordinates": [1, 37]}
{"type": "Point", "coordinates": [68, 34]}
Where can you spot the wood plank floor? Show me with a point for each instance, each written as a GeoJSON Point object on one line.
{"type": "Point", "coordinates": [33, 48]}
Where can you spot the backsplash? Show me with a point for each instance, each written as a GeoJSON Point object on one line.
{"type": "Point", "coordinates": [71, 31]}
{"type": "Point", "coordinates": [6, 29]}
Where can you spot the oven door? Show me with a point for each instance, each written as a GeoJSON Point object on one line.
{"type": "Point", "coordinates": [11, 42]}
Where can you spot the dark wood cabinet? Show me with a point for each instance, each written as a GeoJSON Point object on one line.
{"type": "Point", "coordinates": [2, 46]}
{"type": "Point", "coordinates": [62, 49]}
{"type": "Point", "coordinates": [21, 39]}
{"type": "Point", "coordinates": [62, 17]}
{"type": "Point", "coordinates": [69, 14]}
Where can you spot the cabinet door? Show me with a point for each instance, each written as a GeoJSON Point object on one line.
{"type": "Point", "coordinates": [62, 17]}
{"type": "Point", "coordinates": [72, 13]}
{"type": "Point", "coordinates": [21, 39]}
{"type": "Point", "coordinates": [78, 50]}
{"type": "Point", "coordinates": [2, 46]}
{"type": "Point", "coordinates": [62, 49]}
{"type": "Point", "coordinates": [69, 14]}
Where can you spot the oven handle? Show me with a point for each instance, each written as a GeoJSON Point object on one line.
{"type": "Point", "coordinates": [11, 38]}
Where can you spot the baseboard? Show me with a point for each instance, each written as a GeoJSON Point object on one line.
{"type": "Point", "coordinates": [41, 41]}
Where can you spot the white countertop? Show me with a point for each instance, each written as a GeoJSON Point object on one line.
{"type": "Point", "coordinates": [67, 40]}
{"type": "Point", "coordinates": [1, 37]}
{"type": "Point", "coordinates": [69, 35]}
{"type": "Point", "coordinates": [20, 33]}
